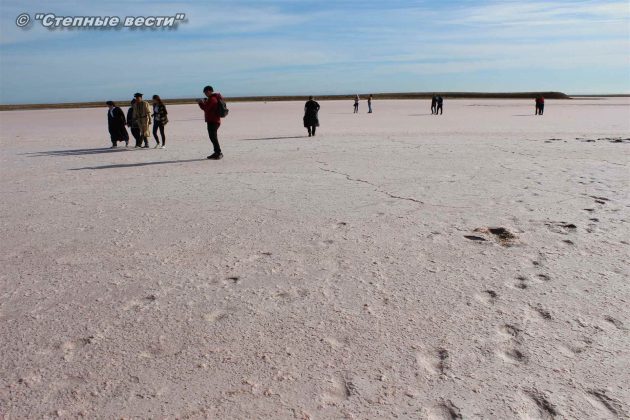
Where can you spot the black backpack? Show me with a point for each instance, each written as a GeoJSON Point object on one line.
{"type": "Point", "coordinates": [222, 107]}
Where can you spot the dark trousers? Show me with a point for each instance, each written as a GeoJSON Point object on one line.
{"type": "Point", "coordinates": [311, 130]}
{"type": "Point", "coordinates": [159, 126]}
{"type": "Point", "coordinates": [135, 132]}
{"type": "Point", "coordinates": [213, 129]}
{"type": "Point", "coordinates": [541, 108]}
{"type": "Point", "coordinates": [439, 108]}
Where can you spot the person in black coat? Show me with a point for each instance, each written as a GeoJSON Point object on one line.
{"type": "Point", "coordinates": [440, 103]}
{"type": "Point", "coordinates": [311, 122]}
{"type": "Point", "coordinates": [116, 124]}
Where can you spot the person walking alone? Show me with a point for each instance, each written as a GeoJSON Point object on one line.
{"type": "Point", "coordinates": [356, 104]}
{"type": "Point", "coordinates": [116, 125]}
{"type": "Point", "coordinates": [142, 119]}
{"type": "Point", "coordinates": [159, 120]}
{"type": "Point", "coordinates": [540, 105]}
{"type": "Point", "coordinates": [311, 121]}
{"type": "Point", "coordinates": [210, 107]}
{"type": "Point", "coordinates": [370, 104]}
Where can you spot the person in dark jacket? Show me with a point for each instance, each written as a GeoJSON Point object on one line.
{"type": "Point", "coordinates": [433, 104]}
{"type": "Point", "coordinates": [210, 106]}
{"type": "Point", "coordinates": [440, 103]}
{"type": "Point", "coordinates": [135, 132]}
{"type": "Point", "coordinates": [159, 120]}
{"type": "Point", "coordinates": [311, 121]}
{"type": "Point", "coordinates": [116, 125]}
{"type": "Point", "coordinates": [370, 104]}
{"type": "Point", "coordinates": [540, 105]}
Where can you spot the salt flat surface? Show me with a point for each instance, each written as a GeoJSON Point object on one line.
{"type": "Point", "coordinates": [350, 275]}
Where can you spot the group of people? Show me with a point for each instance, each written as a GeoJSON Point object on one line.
{"type": "Point", "coordinates": [540, 105]}
{"type": "Point", "coordinates": [437, 104]}
{"type": "Point", "coordinates": [141, 114]}
{"type": "Point", "coordinates": [356, 104]}
{"type": "Point", "coordinates": [139, 117]}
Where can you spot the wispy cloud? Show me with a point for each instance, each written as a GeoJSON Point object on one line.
{"type": "Point", "coordinates": [265, 47]}
{"type": "Point", "coordinates": [535, 13]}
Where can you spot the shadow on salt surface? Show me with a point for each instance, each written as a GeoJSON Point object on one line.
{"type": "Point", "coordinates": [77, 152]}
{"type": "Point", "coordinates": [276, 138]}
{"type": "Point", "coordinates": [132, 165]}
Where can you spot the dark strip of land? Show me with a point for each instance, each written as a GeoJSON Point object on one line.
{"type": "Point", "coordinates": [410, 95]}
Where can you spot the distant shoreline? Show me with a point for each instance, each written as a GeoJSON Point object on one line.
{"type": "Point", "coordinates": [377, 96]}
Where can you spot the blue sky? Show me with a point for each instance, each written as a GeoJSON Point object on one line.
{"type": "Point", "coordinates": [317, 47]}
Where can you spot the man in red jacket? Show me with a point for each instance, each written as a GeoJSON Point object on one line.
{"type": "Point", "coordinates": [210, 107]}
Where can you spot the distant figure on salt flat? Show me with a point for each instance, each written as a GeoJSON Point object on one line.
{"type": "Point", "coordinates": [440, 103]}
{"type": "Point", "coordinates": [135, 132]}
{"type": "Point", "coordinates": [433, 104]}
{"type": "Point", "coordinates": [212, 116]}
{"type": "Point", "coordinates": [116, 125]}
{"type": "Point", "coordinates": [311, 121]}
{"type": "Point", "coordinates": [356, 104]}
{"type": "Point", "coordinates": [142, 119]}
{"type": "Point", "coordinates": [370, 104]}
{"type": "Point", "coordinates": [159, 120]}
{"type": "Point", "coordinates": [540, 105]}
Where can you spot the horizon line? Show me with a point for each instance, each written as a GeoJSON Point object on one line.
{"type": "Point", "coordinates": [293, 97]}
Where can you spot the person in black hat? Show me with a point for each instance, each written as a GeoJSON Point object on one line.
{"type": "Point", "coordinates": [142, 119]}
{"type": "Point", "coordinates": [116, 125]}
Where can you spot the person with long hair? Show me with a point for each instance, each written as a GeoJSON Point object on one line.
{"type": "Point", "coordinates": [159, 120]}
